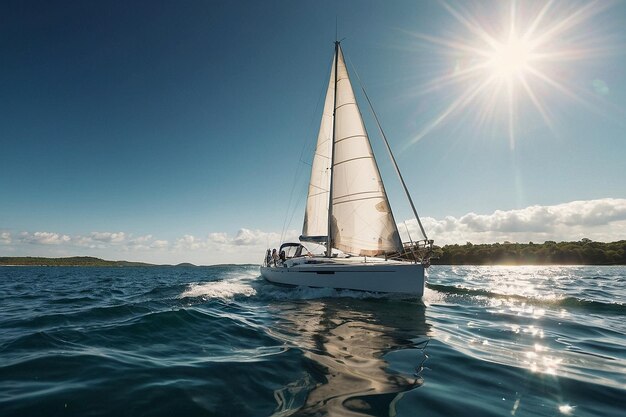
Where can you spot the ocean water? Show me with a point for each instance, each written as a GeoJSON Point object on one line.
{"type": "Point", "coordinates": [219, 341]}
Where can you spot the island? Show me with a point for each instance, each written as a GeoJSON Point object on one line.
{"type": "Point", "coordinates": [73, 261]}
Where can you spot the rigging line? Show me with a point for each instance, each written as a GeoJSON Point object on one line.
{"type": "Point", "coordinates": [393, 159]}
{"type": "Point", "coordinates": [302, 151]}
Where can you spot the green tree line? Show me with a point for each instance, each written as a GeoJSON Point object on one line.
{"type": "Point", "coordinates": [583, 252]}
{"type": "Point", "coordinates": [72, 261]}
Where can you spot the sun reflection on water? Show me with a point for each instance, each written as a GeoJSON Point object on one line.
{"type": "Point", "coordinates": [548, 325]}
{"type": "Point", "coordinates": [540, 361]}
{"type": "Point", "coordinates": [514, 317]}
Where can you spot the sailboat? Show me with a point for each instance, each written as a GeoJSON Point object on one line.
{"type": "Point", "coordinates": [347, 211]}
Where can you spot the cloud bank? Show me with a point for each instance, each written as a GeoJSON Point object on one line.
{"type": "Point", "coordinates": [600, 220]}
{"type": "Point", "coordinates": [245, 246]}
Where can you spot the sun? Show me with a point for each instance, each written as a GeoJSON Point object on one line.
{"type": "Point", "coordinates": [512, 61]}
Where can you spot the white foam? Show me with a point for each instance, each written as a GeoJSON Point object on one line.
{"type": "Point", "coordinates": [219, 289]}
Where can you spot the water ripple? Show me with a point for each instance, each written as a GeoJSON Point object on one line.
{"type": "Point", "coordinates": [487, 341]}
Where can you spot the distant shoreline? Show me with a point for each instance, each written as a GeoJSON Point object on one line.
{"type": "Point", "coordinates": [584, 252]}
{"type": "Point", "coordinates": [75, 261]}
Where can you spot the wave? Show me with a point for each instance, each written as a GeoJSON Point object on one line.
{"type": "Point", "coordinates": [218, 289]}
{"type": "Point", "coordinates": [571, 302]}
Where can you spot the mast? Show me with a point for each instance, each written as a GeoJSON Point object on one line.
{"type": "Point", "coordinates": [329, 241]}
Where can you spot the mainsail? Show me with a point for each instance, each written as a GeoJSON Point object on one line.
{"type": "Point", "coordinates": [362, 222]}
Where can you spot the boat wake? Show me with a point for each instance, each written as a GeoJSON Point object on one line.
{"type": "Point", "coordinates": [225, 289]}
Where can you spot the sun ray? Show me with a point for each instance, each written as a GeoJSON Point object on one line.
{"type": "Point", "coordinates": [555, 84]}
{"type": "Point", "coordinates": [488, 110]}
{"type": "Point", "coordinates": [456, 77]}
{"type": "Point", "coordinates": [511, 106]}
{"type": "Point", "coordinates": [458, 104]}
{"type": "Point", "coordinates": [564, 90]}
{"type": "Point", "coordinates": [536, 102]}
{"type": "Point", "coordinates": [567, 23]}
{"type": "Point", "coordinates": [571, 54]}
{"type": "Point", "coordinates": [470, 24]}
{"type": "Point", "coordinates": [512, 10]}
{"type": "Point", "coordinates": [453, 44]}
{"type": "Point", "coordinates": [533, 26]}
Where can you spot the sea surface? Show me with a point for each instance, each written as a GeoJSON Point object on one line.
{"type": "Point", "coordinates": [220, 341]}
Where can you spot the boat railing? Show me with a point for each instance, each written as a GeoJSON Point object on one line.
{"type": "Point", "coordinates": [417, 251]}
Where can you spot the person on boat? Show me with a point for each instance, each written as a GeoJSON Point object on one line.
{"type": "Point", "coordinates": [283, 257]}
{"type": "Point", "coordinates": [268, 257]}
{"type": "Point", "coordinates": [274, 256]}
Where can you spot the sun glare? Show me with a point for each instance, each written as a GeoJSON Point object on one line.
{"type": "Point", "coordinates": [506, 64]}
{"type": "Point", "coordinates": [510, 59]}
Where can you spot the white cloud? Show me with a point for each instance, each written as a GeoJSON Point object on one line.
{"type": "Point", "coordinates": [139, 242]}
{"type": "Point", "coordinates": [189, 242]}
{"type": "Point", "coordinates": [247, 245]}
{"type": "Point", "coordinates": [5, 238]}
{"type": "Point", "coordinates": [602, 220]}
{"type": "Point", "coordinates": [87, 242]}
{"type": "Point", "coordinates": [93, 240]}
{"type": "Point", "coordinates": [222, 241]}
{"type": "Point", "coordinates": [218, 237]}
{"type": "Point", "coordinates": [249, 237]}
{"type": "Point", "coordinates": [99, 239]}
{"type": "Point", "coordinates": [159, 244]}
{"type": "Point", "coordinates": [108, 237]}
{"type": "Point", "coordinates": [44, 238]}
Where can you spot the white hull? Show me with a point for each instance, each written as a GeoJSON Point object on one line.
{"type": "Point", "coordinates": [377, 276]}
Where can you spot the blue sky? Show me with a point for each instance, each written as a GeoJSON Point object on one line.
{"type": "Point", "coordinates": [173, 132]}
